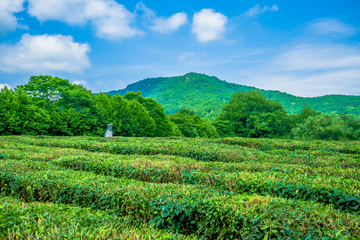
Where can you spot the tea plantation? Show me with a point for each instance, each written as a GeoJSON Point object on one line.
{"type": "Point", "coordinates": [178, 188]}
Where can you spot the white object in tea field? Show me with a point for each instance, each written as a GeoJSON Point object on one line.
{"type": "Point", "coordinates": [109, 132]}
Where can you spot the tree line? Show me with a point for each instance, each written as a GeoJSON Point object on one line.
{"type": "Point", "coordinates": [53, 106]}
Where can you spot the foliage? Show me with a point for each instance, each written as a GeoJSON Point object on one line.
{"type": "Point", "coordinates": [224, 128]}
{"type": "Point", "coordinates": [252, 115]}
{"type": "Point", "coordinates": [53, 106]}
{"type": "Point", "coordinates": [56, 221]}
{"type": "Point", "coordinates": [192, 125]}
{"type": "Point", "coordinates": [352, 126]}
{"type": "Point", "coordinates": [156, 112]}
{"type": "Point", "coordinates": [175, 131]}
{"type": "Point", "coordinates": [207, 95]}
{"type": "Point", "coordinates": [123, 113]}
{"type": "Point", "coordinates": [325, 126]}
{"type": "Point", "coordinates": [185, 124]}
{"type": "Point", "coordinates": [107, 111]}
{"type": "Point", "coordinates": [301, 118]}
{"type": "Point", "coordinates": [11, 104]}
{"type": "Point", "coordinates": [262, 188]}
{"type": "Point", "coordinates": [142, 124]}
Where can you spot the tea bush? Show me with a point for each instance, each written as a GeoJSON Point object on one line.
{"type": "Point", "coordinates": [151, 188]}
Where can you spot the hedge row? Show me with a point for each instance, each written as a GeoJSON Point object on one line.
{"type": "Point", "coordinates": [266, 144]}
{"type": "Point", "coordinates": [161, 173]}
{"type": "Point", "coordinates": [177, 165]}
{"type": "Point", "coordinates": [325, 189]}
{"type": "Point", "coordinates": [20, 220]}
{"type": "Point", "coordinates": [201, 152]}
{"type": "Point", "coordinates": [208, 152]}
{"type": "Point", "coordinates": [350, 147]}
{"type": "Point", "coordinates": [342, 193]}
{"type": "Point", "coordinates": [22, 151]}
{"type": "Point", "coordinates": [184, 208]}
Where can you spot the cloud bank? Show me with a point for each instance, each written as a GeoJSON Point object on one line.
{"type": "Point", "coordinates": [208, 25]}
{"type": "Point", "coordinates": [8, 21]}
{"type": "Point", "coordinates": [110, 19]}
{"type": "Point", "coordinates": [44, 53]}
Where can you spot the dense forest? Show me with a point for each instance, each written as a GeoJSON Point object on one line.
{"type": "Point", "coordinates": [206, 95]}
{"type": "Point", "coordinates": [53, 106]}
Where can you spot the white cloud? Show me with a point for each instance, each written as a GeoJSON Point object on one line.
{"type": "Point", "coordinates": [208, 25]}
{"type": "Point", "coordinates": [44, 53]}
{"type": "Point", "coordinates": [170, 24]}
{"type": "Point", "coordinates": [162, 24]}
{"type": "Point", "coordinates": [147, 12]}
{"type": "Point", "coordinates": [257, 10]}
{"type": "Point", "coordinates": [8, 21]}
{"type": "Point", "coordinates": [329, 26]}
{"type": "Point", "coordinates": [79, 82]}
{"type": "Point", "coordinates": [314, 57]}
{"type": "Point", "coordinates": [186, 55]}
{"type": "Point", "coordinates": [3, 85]}
{"type": "Point", "coordinates": [343, 81]}
{"type": "Point", "coordinates": [309, 70]}
{"type": "Point", "coordinates": [110, 19]}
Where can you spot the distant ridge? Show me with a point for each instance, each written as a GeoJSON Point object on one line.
{"type": "Point", "coordinates": [206, 95]}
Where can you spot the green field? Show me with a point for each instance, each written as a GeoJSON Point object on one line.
{"type": "Point", "coordinates": [178, 188]}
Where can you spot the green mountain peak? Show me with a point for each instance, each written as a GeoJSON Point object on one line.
{"type": "Point", "coordinates": [206, 95]}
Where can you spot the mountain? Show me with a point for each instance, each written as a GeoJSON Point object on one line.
{"type": "Point", "coordinates": [206, 95]}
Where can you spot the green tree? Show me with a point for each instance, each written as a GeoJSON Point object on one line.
{"type": "Point", "coordinates": [224, 128]}
{"type": "Point", "coordinates": [253, 115]}
{"type": "Point", "coordinates": [124, 113]}
{"type": "Point", "coordinates": [107, 112]}
{"type": "Point", "coordinates": [156, 112]}
{"type": "Point", "coordinates": [192, 125]}
{"type": "Point", "coordinates": [72, 106]}
{"type": "Point", "coordinates": [20, 115]}
{"type": "Point", "coordinates": [142, 124]}
{"type": "Point", "coordinates": [35, 120]}
{"type": "Point", "coordinates": [352, 126]}
{"type": "Point", "coordinates": [204, 127]}
{"type": "Point", "coordinates": [323, 126]}
{"type": "Point", "coordinates": [64, 122]}
{"type": "Point", "coordinates": [49, 90]}
{"type": "Point", "coordinates": [301, 118]}
{"type": "Point", "coordinates": [268, 124]}
{"type": "Point", "coordinates": [175, 131]}
{"type": "Point", "coordinates": [185, 124]}
{"type": "Point", "coordinates": [10, 105]}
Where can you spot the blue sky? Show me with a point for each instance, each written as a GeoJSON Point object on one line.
{"type": "Point", "coordinates": [306, 48]}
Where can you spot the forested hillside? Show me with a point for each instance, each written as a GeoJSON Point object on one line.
{"type": "Point", "coordinates": [206, 95]}
{"type": "Point", "coordinates": [49, 105]}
